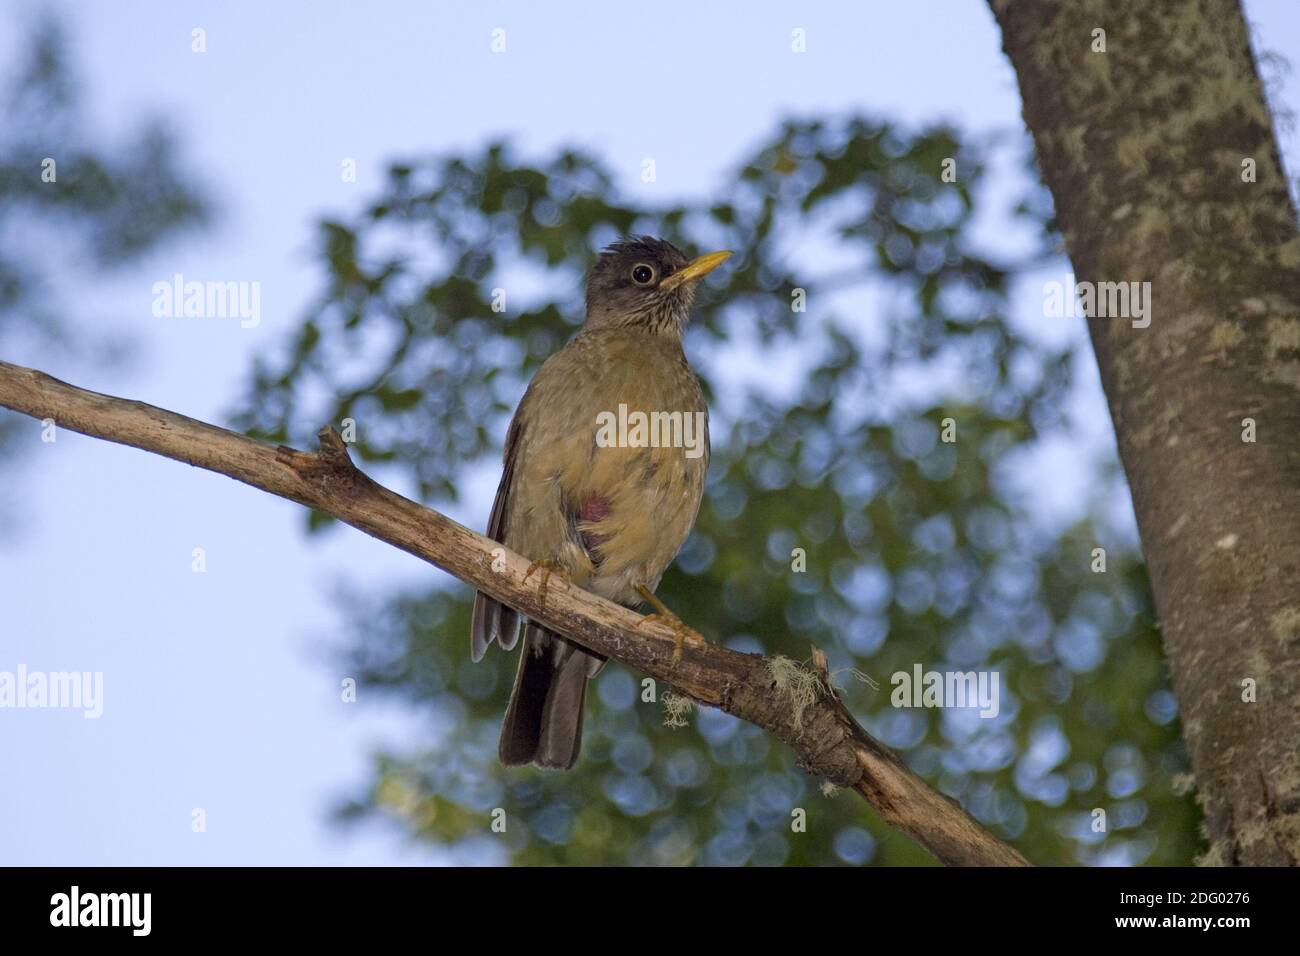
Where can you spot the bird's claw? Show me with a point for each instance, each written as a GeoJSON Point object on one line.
{"type": "Point", "coordinates": [548, 568]}
{"type": "Point", "coordinates": [683, 634]}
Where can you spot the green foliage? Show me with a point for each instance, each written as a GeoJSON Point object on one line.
{"type": "Point", "coordinates": [103, 209]}
{"type": "Point", "coordinates": [107, 207]}
{"type": "Point", "coordinates": [917, 550]}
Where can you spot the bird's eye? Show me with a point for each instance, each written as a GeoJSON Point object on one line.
{"type": "Point", "coordinates": [642, 274]}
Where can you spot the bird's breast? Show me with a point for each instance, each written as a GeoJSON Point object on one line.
{"type": "Point", "coordinates": [617, 429]}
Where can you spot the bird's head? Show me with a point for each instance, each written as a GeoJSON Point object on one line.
{"type": "Point", "coordinates": [646, 283]}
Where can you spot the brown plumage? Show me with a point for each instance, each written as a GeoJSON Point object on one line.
{"type": "Point", "coordinates": [610, 517]}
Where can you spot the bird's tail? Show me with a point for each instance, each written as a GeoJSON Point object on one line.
{"type": "Point", "coordinates": [543, 723]}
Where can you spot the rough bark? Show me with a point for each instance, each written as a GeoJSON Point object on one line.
{"type": "Point", "coordinates": [825, 738]}
{"type": "Point", "coordinates": [1142, 147]}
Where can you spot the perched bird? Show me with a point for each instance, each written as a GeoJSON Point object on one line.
{"type": "Point", "coordinates": [588, 491]}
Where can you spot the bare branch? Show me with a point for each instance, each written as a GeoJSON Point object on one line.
{"type": "Point", "coordinates": [825, 738]}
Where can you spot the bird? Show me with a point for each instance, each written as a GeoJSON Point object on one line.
{"type": "Point", "coordinates": [589, 492]}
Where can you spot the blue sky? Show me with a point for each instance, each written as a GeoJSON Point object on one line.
{"type": "Point", "coordinates": [220, 691]}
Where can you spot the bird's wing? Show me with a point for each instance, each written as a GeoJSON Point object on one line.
{"type": "Point", "coordinates": [492, 618]}
{"type": "Point", "coordinates": [496, 526]}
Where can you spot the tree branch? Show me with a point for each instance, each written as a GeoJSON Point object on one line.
{"type": "Point", "coordinates": [825, 738]}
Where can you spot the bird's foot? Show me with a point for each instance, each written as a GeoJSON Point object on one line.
{"type": "Point", "coordinates": [548, 568]}
{"type": "Point", "coordinates": [683, 633]}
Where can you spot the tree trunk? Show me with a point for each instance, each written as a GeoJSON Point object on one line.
{"type": "Point", "coordinates": [1161, 157]}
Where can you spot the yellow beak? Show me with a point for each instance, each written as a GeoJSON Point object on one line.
{"type": "Point", "coordinates": [695, 269]}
